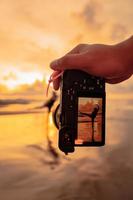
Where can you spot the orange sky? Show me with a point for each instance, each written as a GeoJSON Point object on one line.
{"type": "Point", "coordinates": [34, 32]}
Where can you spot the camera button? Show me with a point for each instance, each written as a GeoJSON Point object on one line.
{"type": "Point", "coordinates": [85, 81]}
{"type": "Point", "coordinates": [76, 83]}
{"type": "Point", "coordinates": [98, 82]}
{"type": "Point", "coordinates": [71, 98]}
{"type": "Point", "coordinates": [84, 87]}
{"type": "Point", "coordinates": [68, 92]}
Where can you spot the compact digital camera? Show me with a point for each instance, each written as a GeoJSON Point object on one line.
{"type": "Point", "coordinates": [80, 116]}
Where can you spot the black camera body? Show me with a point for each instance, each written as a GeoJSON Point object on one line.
{"type": "Point", "coordinates": [81, 110]}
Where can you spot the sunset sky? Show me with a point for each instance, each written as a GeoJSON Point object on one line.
{"type": "Point", "coordinates": [34, 32]}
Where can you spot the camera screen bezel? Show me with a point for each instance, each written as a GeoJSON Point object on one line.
{"type": "Point", "coordinates": [92, 95]}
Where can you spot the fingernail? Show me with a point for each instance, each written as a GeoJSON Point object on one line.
{"type": "Point", "coordinates": [54, 64]}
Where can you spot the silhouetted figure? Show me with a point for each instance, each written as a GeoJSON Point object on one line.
{"type": "Point", "coordinates": [49, 103]}
{"type": "Point", "coordinates": [92, 116]}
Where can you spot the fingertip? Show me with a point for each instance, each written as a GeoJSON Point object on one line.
{"type": "Point", "coordinates": [54, 64]}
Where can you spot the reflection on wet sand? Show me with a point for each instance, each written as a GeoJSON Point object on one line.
{"type": "Point", "coordinates": [48, 147]}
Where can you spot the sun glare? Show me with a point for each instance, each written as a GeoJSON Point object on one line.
{"type": "Point", "coordinates": [21, 78]}
{"type": "Point", "coordinates": [11, 85]}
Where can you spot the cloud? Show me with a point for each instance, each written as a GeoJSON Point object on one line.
{"type": "Point", "coordinates": [119, 31]}
{"type": "Point", "coordinates": [36, 88]}
{"type": "Point", "coordinates": [29, 28]}
{"type": "Point", "coordinates": [25, 33]}
{"type": "Point", "coordinates": [106, 21]}
{"type": "Point", "coordinates": [10, 75]}
{"type": "Point", "coordinates": [91, 14]}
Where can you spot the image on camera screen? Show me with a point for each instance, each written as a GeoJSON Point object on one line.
{"type": "Point", "coordinates": [89, 128]}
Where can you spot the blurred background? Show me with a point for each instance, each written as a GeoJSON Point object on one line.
{"type": "Point", "coordinates": [32, 34]}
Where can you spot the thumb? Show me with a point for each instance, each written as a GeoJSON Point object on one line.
{"type": "Point", "coordinates": [69, 61]}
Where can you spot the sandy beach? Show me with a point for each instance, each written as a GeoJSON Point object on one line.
{"type": "Point", "coordinates": [29, 171]}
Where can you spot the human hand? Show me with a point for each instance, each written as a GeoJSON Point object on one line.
{"type": "Point", "coordinates": [105, 61]}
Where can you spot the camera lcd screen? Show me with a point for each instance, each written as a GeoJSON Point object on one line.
{"type": "Point", "coordinates": [89, 128]}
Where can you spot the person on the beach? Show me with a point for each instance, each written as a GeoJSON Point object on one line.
{"type": "Point", "coordinates": [92, 115]}
{"type": "Point", "coordinates": [112, 62]}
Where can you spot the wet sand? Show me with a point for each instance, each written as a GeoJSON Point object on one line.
{"type": "Point", "coordinates": [29, 170]}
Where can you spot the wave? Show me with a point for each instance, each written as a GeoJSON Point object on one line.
{"type": "Point", "coordinates": [5, 102]}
